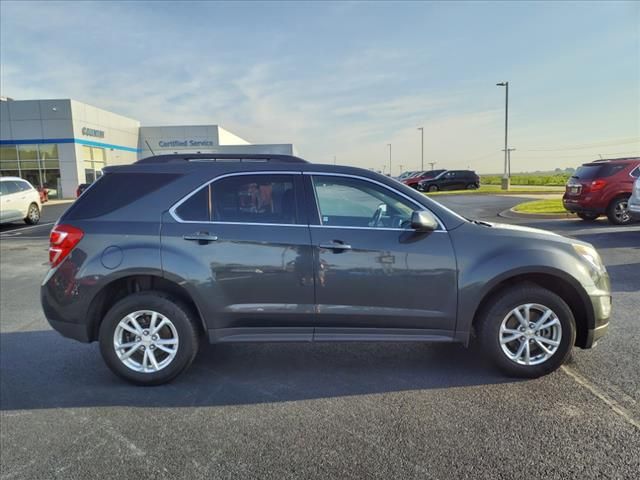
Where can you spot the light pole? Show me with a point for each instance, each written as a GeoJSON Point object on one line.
{"type": "Point", "coordinates": [422, 148]}
{"type": "Point", "coordinates": [432, 164]}
{"type": "Point", "coordinates": [389, 145]}
{"type": "Point", "coordinates": [334, 159]}
{"type": "Point", "coordinates": [509, 150]}
{"type": "Point", "coordinates": [505, 178]}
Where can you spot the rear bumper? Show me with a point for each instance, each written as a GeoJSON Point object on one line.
{"type": "Point", "coordinates": [576, 206]}
{"type": "Point", "coordinates": [77, 331]}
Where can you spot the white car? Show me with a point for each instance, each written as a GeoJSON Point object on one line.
{"type": "Point", "coordinates": [634, 201]}
{"type": "Point", "coordinates": [18, 201]}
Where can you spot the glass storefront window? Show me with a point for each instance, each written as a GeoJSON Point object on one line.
{"type": "Point", "coordinates": [8, 152]}
{"type": "Point", "coordinates": [86, 153]}
{"type": "Point", "coordinates": [28, 152]}
{"type": "Point", "coordinates": [48, 151]}
{"type": "Point", "coordinates": [97, 154]}
{"type": "Point", "coordinates": [50, 164]}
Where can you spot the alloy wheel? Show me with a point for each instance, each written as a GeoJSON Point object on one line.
{"type": "Point", "coordinates": [146, 341]}
{"type": "Point", "coordinates": [34, 213]}
{"type": "Point", "coordinates": [621, 211]}
{"type": "Point", "coordinates": [530, 334]}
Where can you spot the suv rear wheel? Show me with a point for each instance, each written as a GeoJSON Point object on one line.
{"type": "Point", "coordinates": [432, 188]}
{"type": "Point", "coordinates": [148, 338]}
{"type": "Point", "coordinates": [618, 211]}
{"type": "Point", "coordinates": [33, 215]}
{"type": "Point", "coordinates": [527, 331]}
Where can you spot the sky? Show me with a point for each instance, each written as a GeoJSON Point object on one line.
{"type": "Point", "coordinates": [346, 79]}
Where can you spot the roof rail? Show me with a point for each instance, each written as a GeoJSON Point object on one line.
{"type": "Point", "coordinates": [222, 157]}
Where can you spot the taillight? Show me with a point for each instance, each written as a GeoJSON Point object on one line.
{"type": "Point", "coordinates": [62, 240]}
{"type": "Point", "coordinates": [597, 185]}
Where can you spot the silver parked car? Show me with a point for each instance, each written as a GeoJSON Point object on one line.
{"type": "Point", "coordinates": [18, 201]}
{"type": "Point", "coordinates": [634, 201]}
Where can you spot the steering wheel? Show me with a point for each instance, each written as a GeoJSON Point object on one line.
{"type": "Point", "coordinates": [377, 215]}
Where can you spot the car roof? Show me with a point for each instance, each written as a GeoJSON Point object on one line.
{"type": "Point", "coordinates": [612, 160]}
{"type": "Point", "coordinates": [14, 178]}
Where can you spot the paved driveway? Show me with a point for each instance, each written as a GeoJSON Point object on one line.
{"type": "Point", "coordinates": [319, 410]}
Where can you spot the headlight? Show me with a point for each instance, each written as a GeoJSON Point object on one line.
{"type": "Point", "coordinates": [591, 256]}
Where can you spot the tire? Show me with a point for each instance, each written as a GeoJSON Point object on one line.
{"type": "Point", "coordinates": [182, 325]}
{"type": "Point", "coordinates": [471, 186]}
{"type": "Point", "coordinates": [33, 215]}
{"type": "Point", "coordinates": [500, 310]}
{"type": "Point", "coordinates": [588, 217]}
{"type": "Point", "coordinates": [618, 211]}
{"type": "Point", "coordinates": [432, 188]}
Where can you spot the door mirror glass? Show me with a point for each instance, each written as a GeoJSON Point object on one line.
{"type": "Point", "coordinates": [423, 221]}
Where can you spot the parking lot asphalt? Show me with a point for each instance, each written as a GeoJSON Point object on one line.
{"type": "Point", "coordinates": [319, 410]}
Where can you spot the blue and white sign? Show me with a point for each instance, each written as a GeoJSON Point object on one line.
{"type": "Point", "coordinates": [185, 143]}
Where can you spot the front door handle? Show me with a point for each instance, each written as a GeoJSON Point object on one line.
{"type": "Point", "coordinates": [335, 245]}
{"type": "Point", "coordinates": [201, 237]}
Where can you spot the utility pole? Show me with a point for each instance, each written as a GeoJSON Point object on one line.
{"type": "Point", "coordinates": [389, 158]}
{"type": "Point", "coordinates": [432, 164]}
{"type": "Point", "coordinates": [506, 178]}
{"type": "Point", "coordinates": [422, 148]}
{"type": "Point", "coordinates": [509, 150]}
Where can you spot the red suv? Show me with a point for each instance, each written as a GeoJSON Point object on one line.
{"type": "Point", "coordinates": [602, 187]}
{"type": "Point", "coordinates": [420, 176]}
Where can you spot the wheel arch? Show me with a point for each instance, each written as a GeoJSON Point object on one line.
{"type": "Point", "coordinates": [121, 287]}
{"type": "Point", "coordinates": [559, 283]}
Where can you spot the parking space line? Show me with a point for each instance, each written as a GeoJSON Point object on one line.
{"type": "Point", "coordinates": [18, 231]}
{"type": "Point", "coordinates": [597, 392]}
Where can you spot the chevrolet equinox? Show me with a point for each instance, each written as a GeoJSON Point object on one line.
{"type": "Point", "coordinates": [269, 248]}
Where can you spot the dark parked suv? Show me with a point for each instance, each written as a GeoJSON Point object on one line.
{"type": "Point", "coordinates": [451, 180]}
{"type": "Point", "coordinates": [158, 254]}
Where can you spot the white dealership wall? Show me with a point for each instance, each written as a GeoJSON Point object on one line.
{"type": "Point", "coordinates": [73, 125]}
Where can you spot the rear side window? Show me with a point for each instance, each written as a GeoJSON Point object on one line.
{"type": "Point", "coordinates": [635, 173]}
{"type": "Point", "coordinates": [115, 190]}
{"type": "Point", "coordinates": [269, 198]}
{"type": "Point", "coordinates": [590, 172]}
{"type": "Point", "coordinates": [23, 186]}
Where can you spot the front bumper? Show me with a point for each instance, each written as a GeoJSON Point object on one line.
{"type": "Point", "coordinates": [601, 312]}
{"type": "Point", "coordinates": [634, 210]}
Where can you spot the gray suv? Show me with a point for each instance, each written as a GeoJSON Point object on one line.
{"type": "Point", "coordinates": [156, 255]}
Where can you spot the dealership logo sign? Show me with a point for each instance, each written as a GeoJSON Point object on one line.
{"type": "Point", "coordinates": [92, 132]}
{"type": "Point", "coordinates": [185, 143]}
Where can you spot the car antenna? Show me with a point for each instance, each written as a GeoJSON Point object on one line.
{"type": "Point", "coordinates": [152, 152]}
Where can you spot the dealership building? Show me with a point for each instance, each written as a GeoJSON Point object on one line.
{"type": "Point", "coordinates": [59, 144]}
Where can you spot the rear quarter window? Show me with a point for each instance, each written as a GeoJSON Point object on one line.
{"type": "Point", "coordinates": [113, 191]}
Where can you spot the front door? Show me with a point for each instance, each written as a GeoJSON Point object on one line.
{"type": "Point", "coordinates": [372, 270]}
{"type": "Point", "coordinates": [242, 247]}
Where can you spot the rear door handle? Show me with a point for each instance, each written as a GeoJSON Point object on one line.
{"type": "Point", "coordinates": [335, 245]}
{"type": "Point", "coordinates": [202, 237]}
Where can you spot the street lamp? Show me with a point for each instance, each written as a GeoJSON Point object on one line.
{"type": "Point", "coordinates": [422, 148]}
{"type": "Point", "coordinates": [389, 145]}
{"type": "Point", "coordinates": [505, 179]}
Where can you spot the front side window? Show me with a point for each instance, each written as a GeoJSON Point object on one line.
{"type": "Point", "coordinates": [351, 202]}
{"type": "Point", "coordinates": [269, 198]}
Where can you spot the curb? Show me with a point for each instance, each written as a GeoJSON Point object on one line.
{"type": "Point", "coordinates": [510, 213]}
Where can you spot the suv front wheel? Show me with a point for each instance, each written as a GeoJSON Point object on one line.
{"type": "Point", "coordinates": [148, 338]}
{"type": "Point", "coordinates": [527, 331]}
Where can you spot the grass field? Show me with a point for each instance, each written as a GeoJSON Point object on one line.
{"type": "Point", "coordinates": [537, 179]}
{"type": "Point", "coordinates": [548, 207]}
{"type": "Point", "coordinates": [496, 189]}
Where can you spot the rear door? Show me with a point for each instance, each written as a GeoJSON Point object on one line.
{"type": "Point", "coordinates": [11, 201]}
{"type": "Point", "coordinates": [374, 273]}
{"type": "Point", "coordinates": [241, 245]}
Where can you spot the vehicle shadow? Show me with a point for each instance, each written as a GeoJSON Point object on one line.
{"type": "Point", "coordinates": [43, 370]}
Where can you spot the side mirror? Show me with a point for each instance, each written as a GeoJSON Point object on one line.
{"type": "Point", "coordinates": [423, 221]}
